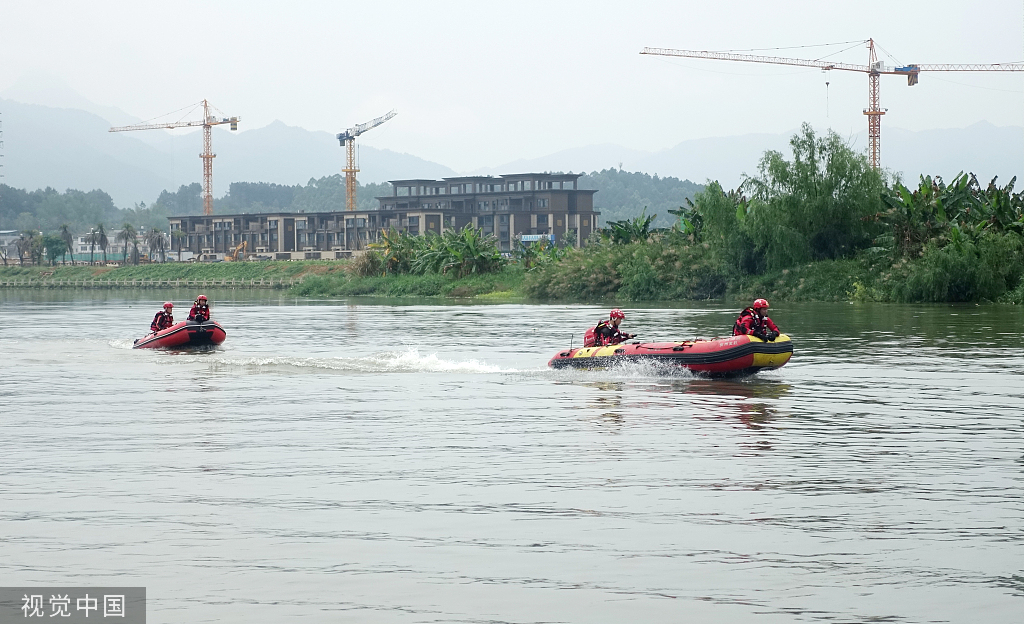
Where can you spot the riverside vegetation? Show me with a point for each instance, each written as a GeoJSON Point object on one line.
{"type": "Point", "coordinates": [822, 226]}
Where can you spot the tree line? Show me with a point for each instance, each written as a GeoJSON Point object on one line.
{"type": "Point", "coordinates": [822, 224]}
{"type": "Point", "coordinates": [34, 245]}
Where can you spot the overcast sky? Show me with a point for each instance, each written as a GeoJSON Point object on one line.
{"type": "Point", "coordinates": [479, 84]}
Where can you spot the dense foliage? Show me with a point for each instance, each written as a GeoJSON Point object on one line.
{"type": "Point", "coordinates": [46, 209]}
{"type": "Point", "coordinates": [456, 253]}
{"type": "Point", "coordinates": [822, 225]}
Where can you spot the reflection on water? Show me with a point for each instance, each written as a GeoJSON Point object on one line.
{"type": "Point", "coordinates": [366, 461]}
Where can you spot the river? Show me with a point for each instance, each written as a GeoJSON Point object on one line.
{"type": "Point", "coordinates": [381, 461]}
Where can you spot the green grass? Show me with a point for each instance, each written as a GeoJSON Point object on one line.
{"type": "Point", "coordinates": [507, 282]}
{"type": "Point", "coordinates": [636, 272]}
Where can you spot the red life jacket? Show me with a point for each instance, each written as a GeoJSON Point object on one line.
{"type": "Point", "coordinates": [162, 320]}
{"type": "Point", "coordinates": [750, 323]}
{"type": "Point", "coordinates": [739, 328]}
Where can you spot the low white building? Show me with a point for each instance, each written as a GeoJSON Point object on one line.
{"type": "Point", "coordinates": [116, 248]}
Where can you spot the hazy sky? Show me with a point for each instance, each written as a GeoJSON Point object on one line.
{"type": "Point", "coordinates": [483, 83]}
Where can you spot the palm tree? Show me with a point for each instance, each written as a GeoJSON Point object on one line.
{"type": "Point", "coordinates": [101, 240]}
{"type": "Point", "coordinates": [156, 242]}
{"type": "Point", "coordinates": [128, 236]}
{"type": "Point", "coordinates": [91, 239]}
{"type": "Point", "coordinates": [69, 241]}
{"type": "Point", "coordinates": [180, 237]}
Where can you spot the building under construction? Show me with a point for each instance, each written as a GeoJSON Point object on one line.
{"type": "Point", "coordinates": [509, 207]}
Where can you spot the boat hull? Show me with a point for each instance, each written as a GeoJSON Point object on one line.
{"type": "Point", "coordinates": [182, 335]}
{"type": "Point", "coordinates": [725, 357]}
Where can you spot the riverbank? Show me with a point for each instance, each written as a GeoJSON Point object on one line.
{"type": "Point", "coordinates": [168, 275]}
{"type": "Point", "coordinates": [614, 274]}
{"type": "Point", "coordinates": [312, 278]}
{"type": "Point", "coordinates": [503, 285]}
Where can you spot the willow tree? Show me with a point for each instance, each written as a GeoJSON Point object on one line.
{"type": "Point", "coordinates": [815, 206]}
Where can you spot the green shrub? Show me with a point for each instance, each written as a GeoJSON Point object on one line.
{"type": "Point", "coordinates": [664, 269]}
{"type": "Point", "coordinates": [962, 270]}
{"type": "Point", "coordinates": [367, 264]}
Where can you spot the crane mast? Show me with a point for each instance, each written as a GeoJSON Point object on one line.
{"type": "Point", "coordinates": [874, 69]}
{"type": "Point", "coordinates": [208, 121]}
{"type": "Point", "coordinates": [347, 139]}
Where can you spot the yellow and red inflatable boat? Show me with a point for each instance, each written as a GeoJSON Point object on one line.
{"type": "Point", "coordinates": [720, 357]}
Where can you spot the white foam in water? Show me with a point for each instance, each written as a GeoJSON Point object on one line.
{"type": "Point", "coordinates": [626, 371]}
{"type": "Point", "coordinates": [409, 361]}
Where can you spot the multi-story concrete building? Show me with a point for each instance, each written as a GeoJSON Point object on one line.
{"type": "Point", "coordinates": [508, 207]}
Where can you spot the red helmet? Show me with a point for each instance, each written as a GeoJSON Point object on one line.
{"type": "Point", "coordinates": [201, 298]}
{"type": "Point", "coordinates": [760, 303]}
{"type": "Point", "coordinates": [617, 314]}
{"type": "Point", "coordinates": [168, 304]}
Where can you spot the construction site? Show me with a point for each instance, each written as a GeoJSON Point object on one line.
{"type": "Point", "coordinates": [517, 206]}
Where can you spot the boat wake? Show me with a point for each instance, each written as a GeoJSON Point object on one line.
{"type": "Point", "coordinates": [410, 361]}
{"type": "Point", "coordinates": [627, 371]}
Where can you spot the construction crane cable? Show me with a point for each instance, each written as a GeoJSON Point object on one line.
{"type": "Point", "coordinates": [886, 52]}
{"type": "Point", "coordinates": [727, 73]}
{"type": "Point", "coordinates": [190, 107]}
{"type": "Point", "coordinates": [840, 51]}
{"type": "Point", "coordinates": [813, 45]}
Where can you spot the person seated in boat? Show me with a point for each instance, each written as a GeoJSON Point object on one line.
{"type": "Point", "coordinates": [754, 321]}
{"type": "Point", "coordinates": [200, 311]}
{"type": "Point", "coordinates": [163, 318]}
{"type": "Point", "coordinates": [607, 332]}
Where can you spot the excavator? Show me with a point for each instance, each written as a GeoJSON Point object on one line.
{"type": "Point", "coordinates": [238, 253]}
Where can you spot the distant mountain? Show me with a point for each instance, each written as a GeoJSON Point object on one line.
{"type": "Point", "coordinates": [48, 90]}
{"type": "Point", "coordinates": [70, 148]}
{"type": "Point", "coordinates": [576, 160]}
{"type": "Point", "coordinates": [66, 144]}
{"type": "Point", "coordinates": [982, 148]}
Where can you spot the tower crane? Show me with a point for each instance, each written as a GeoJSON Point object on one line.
{"type": "Point", "coordinates": [208, 121]}
{"type": "Point", "coordinates": [348, 139]}
{"type": "Point", "coordinates": [873, 69]}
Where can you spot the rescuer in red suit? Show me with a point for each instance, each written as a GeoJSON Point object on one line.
{"type": "Point", "coordinates": [608, 332]}
{"type": "Point", "coordinates": [754, 321]}
{"type": "Point", "coordinates": [200, 311]}
{"type": "Point", "coordinates": [163, 318]}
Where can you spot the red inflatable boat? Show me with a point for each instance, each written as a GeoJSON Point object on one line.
{"type": "Point", "coordinates": [183, 334]}
{"type": "Point", "coordinates": [723, 357]}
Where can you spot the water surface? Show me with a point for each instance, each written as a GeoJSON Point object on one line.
{"type": "Point", "coordinates": [365, 460]}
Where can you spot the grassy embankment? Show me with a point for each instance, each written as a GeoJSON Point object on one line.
{"type": "Point", "coordinates": [241, 273]}
{"type": "Point", "coordinates": [313, 278]}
